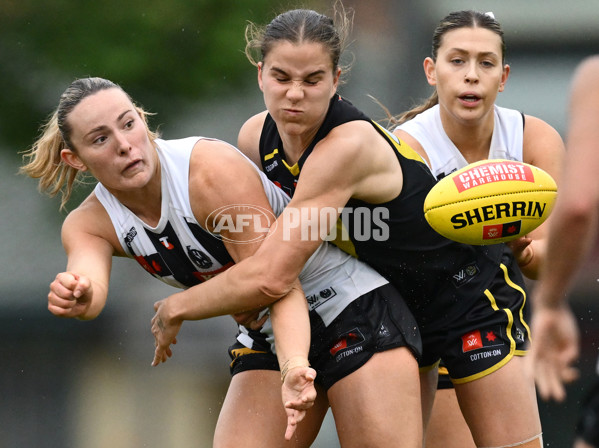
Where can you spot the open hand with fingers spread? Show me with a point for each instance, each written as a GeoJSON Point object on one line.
{"type": "Point", "coordinates": [165, 332]}
{"type": "Point", "coordinates": [298, 393]}
{"type": "Point", "coordinates": [555, 348]}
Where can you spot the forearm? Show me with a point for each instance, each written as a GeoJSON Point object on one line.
{"type": "Point", "coordinates": [291, 326]}
{"type": "Point", "coordinates": [242, 287]}
{"type": "Point", "coordinates": [568, 245]}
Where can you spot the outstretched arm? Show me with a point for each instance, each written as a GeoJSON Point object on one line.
{"type": "Point", "coordinates": [572, 232]}
{"type": "Point", "coordinates": [270, 273]}
{"type": "Point", "coordinates": [81, 291]}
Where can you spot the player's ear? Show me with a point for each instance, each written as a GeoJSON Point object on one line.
{"type": "Point", "coordinates": [72, 159]}
{"type": "Point", "coordinates": [429, 71]}
{"type": "Point", "coordinates": [260, 73]}
{"type": "Point", "coordinates": [504, 76]}
{"type": "Point", "coordinates": [337, 76]}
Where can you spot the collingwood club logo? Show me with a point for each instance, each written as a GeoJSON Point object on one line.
{"type": "Point", "coordinates": [199, 258]}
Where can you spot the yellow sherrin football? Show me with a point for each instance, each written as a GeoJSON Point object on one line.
{"type": "Point", "coordinates": [490, 201]}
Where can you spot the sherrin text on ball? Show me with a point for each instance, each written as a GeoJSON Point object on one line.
{"type": "Point", "coordinates": [490, 201]}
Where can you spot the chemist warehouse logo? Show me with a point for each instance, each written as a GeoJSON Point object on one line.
{"type": "Point", "coordinates": [243, 224]}
{"type": "Point", "coordinates": [491, 173]}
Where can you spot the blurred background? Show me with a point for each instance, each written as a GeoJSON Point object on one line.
{"type": "Point", "coordinates": [77, 384]}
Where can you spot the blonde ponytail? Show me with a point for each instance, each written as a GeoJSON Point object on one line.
{"type": "Point", "coordinates": [43, 162]}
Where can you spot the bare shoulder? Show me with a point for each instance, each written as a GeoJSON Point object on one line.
{"type": "Point", "coordinates": [412, 143]}
{"type": "Point", "coordinates": [363, 158]}
{"type": "Point", "coordinates": [212, 160]}
{"type": "Point", "coordinates": [352, 138]}
{"type": "Point", "coordinates": [219, 175]}
{"type": "Point", "coordinates": [536, 128]}
{"type": "Point", "coordinates": [90, 221]}
{"type": "Point", "coordinates": [543, 146]}
{"type": "Point", "coordinates": [248, 140]}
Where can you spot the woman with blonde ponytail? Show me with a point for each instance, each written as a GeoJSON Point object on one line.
{"type": "Point", "coordinates": [169, 205]}
{"type": "Point", "coordinates": [44, 160]}
{"type": "Point", "coordinates": [46, 165]}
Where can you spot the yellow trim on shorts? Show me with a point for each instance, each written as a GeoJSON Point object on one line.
{"type": "Point", "coordinates": [517, 287]}
{"type": "Point", "coordinates": [239, 352]}
{"type": "Point", "coordinates": [426, 369]}
{"type": "Point", "coordinates": [510, 316]}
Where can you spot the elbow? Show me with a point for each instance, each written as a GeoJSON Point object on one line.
{"type": "Point", "coordinates": [272, 283]}
{"type": "Point", "coordinates": [577, 212]}
{"type": "Point", "coordinates": [272, 288]}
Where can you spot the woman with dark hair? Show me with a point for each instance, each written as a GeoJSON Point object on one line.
{"type": "Point", "coordinates": [460, 123]}
{"type": "Point", "coordinates": [470, 301]}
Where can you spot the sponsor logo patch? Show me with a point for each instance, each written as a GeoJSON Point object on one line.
{"type": "Point", "coordinates": [384, 332]}
{"type": "Point", "coordinates": [501, 230]}
{"type": "Point", "coordinates": [348, 344]}
{"type": "Point", "coordinates": [493, 172]}
{"type": "Point", "coordinates": [471, 341]}
{"type": "Point", "coordinates": [478, 339]}
{"type": "Point", "coordinates": [465, 274]}
{"type": "Point", "coordinates": [199, 258]}
{"type": "Point", "coordinates": [316, 300]}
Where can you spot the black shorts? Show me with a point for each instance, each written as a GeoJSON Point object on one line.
{"type": "Point", "coordinates": [483, 331]}
{"type": "Point", "coordinates": [375, 322]}
{"type": "Point", "coordinates": [587, 427]}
